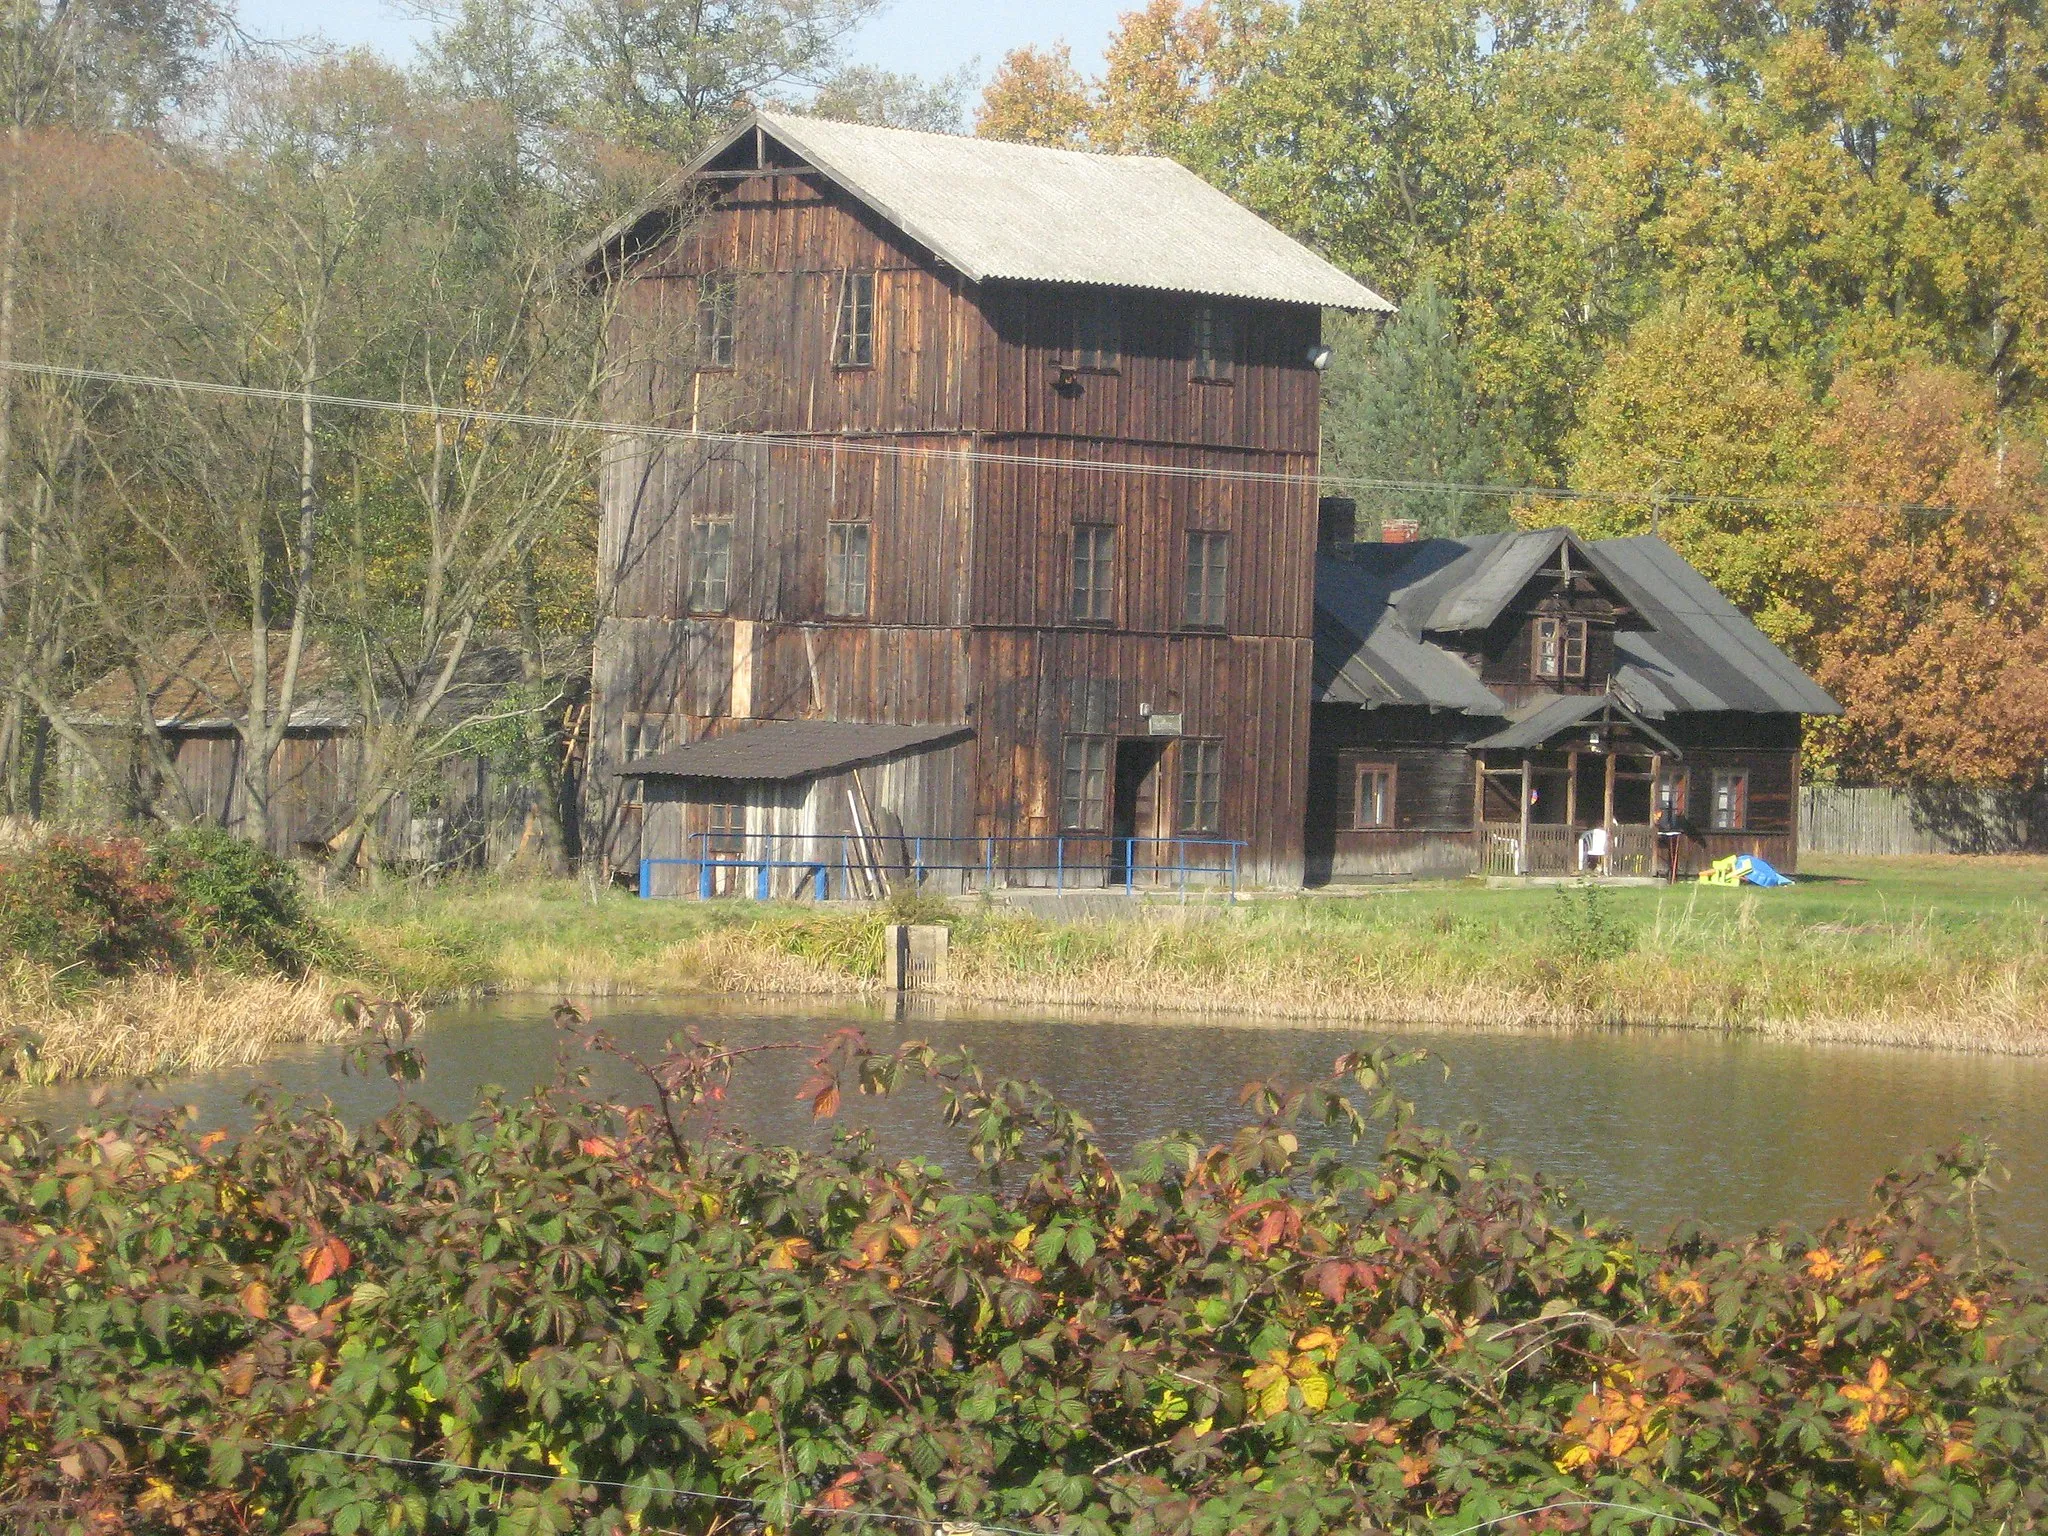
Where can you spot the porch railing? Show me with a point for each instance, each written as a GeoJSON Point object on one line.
{"type": "Point", "coordinates": [1552, 848]}
{"type": "Point", "coordinates": [827, 866]}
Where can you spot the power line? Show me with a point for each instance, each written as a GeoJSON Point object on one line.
{"type": "Point", "coordinates": [425, 1464]}
{"type": "Point", "coordinates": [810, 442]}
{"type": "Point", "coordinates": [928, 1522]}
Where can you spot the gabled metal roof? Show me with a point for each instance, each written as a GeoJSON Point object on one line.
{"type": "Point", "coordinates": [1505, 567]}
{"type": "Point", "coordinates": [1700, 651]}
{"type": "Point", "coordinates": [1377, 608]}
{"type": "Point", "coordinates": [777, 751]}
{"type": "Point", "coordinates": [1543, 719]}
{"type": "Point", "coordinates": [1362, 658]}
{"type": "Point", "coordinates": [995, 210]}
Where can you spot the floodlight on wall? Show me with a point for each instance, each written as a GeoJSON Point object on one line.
{"type": "Point", "coordinates": [1319, 358]}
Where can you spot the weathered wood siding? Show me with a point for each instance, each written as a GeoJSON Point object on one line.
{"type": "Point", "coordinates": [1268, 405]}
{"type": "Point", "coordinates": [1435, 782]}
{"type": "Point", "coordinates": [971, 459]}
{"type": "Point", "coordinates": [1896, 822]}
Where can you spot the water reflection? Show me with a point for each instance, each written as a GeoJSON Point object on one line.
{"type": "Point", "coordinates": [1654, 1127]}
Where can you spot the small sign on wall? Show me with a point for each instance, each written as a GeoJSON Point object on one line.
{"type": "Point", "coordinates": [1157, 724]}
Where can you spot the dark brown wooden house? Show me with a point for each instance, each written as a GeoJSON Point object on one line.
{"type": "Point", "coordinates": [955, 530]}
{"type": "Point", "coordinates": [1483, 705]}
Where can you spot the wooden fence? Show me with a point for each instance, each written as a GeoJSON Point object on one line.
{"type": "Point", "coordinates": [1890, 822]}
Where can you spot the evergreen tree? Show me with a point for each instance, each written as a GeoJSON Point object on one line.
{"type": "Point", "coordinates": [1401, 405]}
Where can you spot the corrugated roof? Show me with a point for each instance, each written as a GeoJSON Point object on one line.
{"type": "Point", "coordinates": [1504, 569]}
{"type": "Point", "coordinates": [1543, 718]}
{"type": "Point", "coordinates": [1363, 659]}
{"type": "Point", "coordinates": [995, 210]}
{"type": "Point", "coordinates": [1701, 651]}
{"type": "Point", "coordinates": [777, 751]}
{"type": "Point", "coordinates": [1375, 608]}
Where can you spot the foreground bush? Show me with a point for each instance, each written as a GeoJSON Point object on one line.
{"type": "Point", "coordinates": [634, 1329]}
{"type": "Point", "coordinates": [111, 906]}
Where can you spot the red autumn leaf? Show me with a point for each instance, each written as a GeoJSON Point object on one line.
{"type": "Point", "coordinates": [598, 1146]}
{"type": "Point", "coordinates": [325, 1260]}
{"type": "Point", "coordinates": [822, 1094]}
{"type": "Point", "coordinates": [841, 1494]}
{"type": "Point", "coordinates": [305, 1319]}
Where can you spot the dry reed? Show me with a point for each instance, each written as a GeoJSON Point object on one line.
{"type": "Point", "coordinates": [160, 1022]}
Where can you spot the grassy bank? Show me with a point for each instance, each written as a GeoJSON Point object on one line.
{"type": "Point", "coordinates": [1948, 953]}
{"type": "Point", "coordinates": [120, 958]}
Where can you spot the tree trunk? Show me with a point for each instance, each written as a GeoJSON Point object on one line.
{"type": "Point", "coordinates": [270, 718]}
{"type": "Point", "coordinates": [10, 255]}
{"type": "Point", "coordinates": [541, 730]}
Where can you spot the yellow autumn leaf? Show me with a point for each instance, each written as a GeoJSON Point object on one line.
{"type": "Point", "coordinates": [788, 1253]}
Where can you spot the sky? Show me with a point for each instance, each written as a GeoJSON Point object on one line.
{"type": "Point", "coordinates": [925, 37]}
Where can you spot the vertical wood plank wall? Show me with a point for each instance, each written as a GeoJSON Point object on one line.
{"type": "Point", "coordinates": [969, 565]}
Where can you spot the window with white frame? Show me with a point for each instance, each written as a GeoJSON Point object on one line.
{"type": "Point", "coordinates": [1730, 805]}
{"type": "Point", "coordinates": [853, 335]}
{"type": "Point", "coordinates": [1084, 784]}
{"type": "Point", "coordinates": [1372, 798]}
{"type": "Point", "coordinates": [710, 564]}
{"type": "Point", "coordinates": [846, 569]}
{"type": "Point", "coordinates": [1560, 648]}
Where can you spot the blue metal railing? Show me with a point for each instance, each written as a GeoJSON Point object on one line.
{"type": "Point", "coordinates": [843, 861]}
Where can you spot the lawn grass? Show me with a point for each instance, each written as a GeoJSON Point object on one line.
{"type": "Point", "coordinates": [1947, 952]}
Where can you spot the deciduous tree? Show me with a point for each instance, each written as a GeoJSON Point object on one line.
{"type": "Point", "coordinates": [1036, 96]}
{"type": "Point", "coordinates": [1933, 625]}
{"type": "Point", "coordinates": [1681, 409]}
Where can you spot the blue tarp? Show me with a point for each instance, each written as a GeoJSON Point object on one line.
{"type": "Point", "coordinates": [1742, 869]}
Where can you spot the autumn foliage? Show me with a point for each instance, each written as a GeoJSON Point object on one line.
{"type": "Point", "coordinates": [555, 1315]}
{"type": "Point", "coordinates": [1931, 580]}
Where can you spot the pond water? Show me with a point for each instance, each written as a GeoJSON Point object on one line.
{"type": "Point", "coordinates": [1652, 1126]}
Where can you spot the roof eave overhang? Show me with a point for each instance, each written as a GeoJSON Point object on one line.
{"type": "Point", "coordinates": [621, 243]}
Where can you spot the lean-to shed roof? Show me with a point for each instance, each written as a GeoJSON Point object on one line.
{"type": "Point", "coordinates": [994, 210]}
{"type": "Point", "coordinates": [777, 751]}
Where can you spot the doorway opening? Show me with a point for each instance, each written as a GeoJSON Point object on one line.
{"type": "Point", "coordinates": [1134, 803]}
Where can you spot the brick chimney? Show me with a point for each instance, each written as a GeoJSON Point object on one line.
{"type": "Point", "coordinates": [1400, 530]}
{"type": "Point", "coordinates": [1336, 523]}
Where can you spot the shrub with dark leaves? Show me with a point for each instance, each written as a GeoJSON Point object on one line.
{"type": "Point", "coordinates": [97, 906]}
{"type": "Point", "coordinates": [240, 904]}
{"type": "Point", "coordinates": [104, 907]}
{"type": "Point", "coordinates": [563, 1315]}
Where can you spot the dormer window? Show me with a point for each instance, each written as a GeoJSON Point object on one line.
{"type": "Point", "coordinates": [1560, 650]}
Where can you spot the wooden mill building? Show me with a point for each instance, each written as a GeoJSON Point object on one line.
{"type": "Point", "coordinates": [999, 518]}
{"type": "Point", "coordinates": [1483, 704]}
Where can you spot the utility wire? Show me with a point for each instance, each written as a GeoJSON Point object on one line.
{"type": "Point", "coordinates": [879, 449]}
{"type": "Point", "coordinates": [415, 1463]}
{"type": "Point", "coordinates": [928, 1522]}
